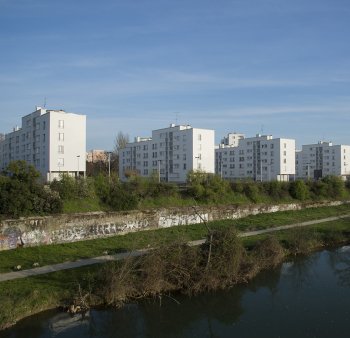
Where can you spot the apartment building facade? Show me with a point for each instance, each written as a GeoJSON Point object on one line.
{"type": "Point", "coordinates": [170, 153]}
{"type": "Point", "coordinates": [315, 161]}
{"type": "Point", "coordinates": [53, 141]}
{"type": "Point", "coordinates": [260, 158]}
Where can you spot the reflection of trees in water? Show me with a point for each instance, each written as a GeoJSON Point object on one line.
{"type": "Point", "coordinates": [339, 261]}
{"type": "Point", "coordinates": [303, 271]}
{"type": "Point", "coordinates": [125, 322]}
{"type": "Point", "coordinates": [268, 279]}
{"type": "Point", "coordinates": [199, 311]}
{"type": "Point", "coordinates": [186, 315]}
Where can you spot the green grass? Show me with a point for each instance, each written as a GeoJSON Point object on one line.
{"type": "Point", "coordinates": [82, 205]}
{"type": "Point", "coordinates": [23, 297]}
{"type": "Point", "coordinates": [58, 253]}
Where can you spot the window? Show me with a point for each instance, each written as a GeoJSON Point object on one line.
{"type": "Point", "coordinates": [61, 149]}
{"type": "Point", "coordinates": [199, 137]}
{"type": "Point", "coordinates": [60, 162]}
{"type": "Point", "coordinates": [61, 124]}
{"type": "Point", "coordinates": [61, 136]}
{"type": "Point", "coordinates": [44, 125]}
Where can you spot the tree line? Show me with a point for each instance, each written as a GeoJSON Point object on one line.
{"type": "Point", "coordinates": [22, 193]}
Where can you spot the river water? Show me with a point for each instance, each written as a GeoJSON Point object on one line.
{"type": "Point", "coordinates": [304, 297]}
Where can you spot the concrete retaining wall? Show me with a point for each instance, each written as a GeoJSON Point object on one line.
{"type": "Point", "coordinates": [76, 227]}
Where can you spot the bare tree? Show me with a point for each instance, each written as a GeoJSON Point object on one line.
{"type": "Point", "coordinates": [120, 142]}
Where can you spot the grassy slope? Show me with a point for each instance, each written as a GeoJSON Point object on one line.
{"type": "Point", "coordinates": [59, 253]}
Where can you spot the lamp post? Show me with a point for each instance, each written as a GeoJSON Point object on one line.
{"type": "Point", "coordinates": [221, 165]}
{"type": "Point", "coordinates": [109, 167]}
{"type": "Point", "coordinates": [308, 171]}
{"type": "Point", "coordinates": [78, 160]}
{"type": "Point", "coordinates": [159, 170]}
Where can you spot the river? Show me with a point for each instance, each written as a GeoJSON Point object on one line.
{"type": "Point", "coordinates": [303, 297]}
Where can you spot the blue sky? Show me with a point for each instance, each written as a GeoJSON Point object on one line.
{"type": "Point", "coordinates": [277, 66]}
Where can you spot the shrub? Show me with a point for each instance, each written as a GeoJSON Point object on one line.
{"type": "Point", "coordinates": [335, 186]}
{"type": "Point", "coordinates": [208, 187]}
{"type": "Point", "coordinates": [251, 190]}
{"type": "Point", "coordinates": [22, 195]}
{"type": "Point", "coordinates": [268, 252]}
{"type": "Point", "coordinates": [71, 188]}
{"type": "Point", "coordinates": [299, 190]}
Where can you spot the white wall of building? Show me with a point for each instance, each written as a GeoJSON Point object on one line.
{"type": "Point", "coordinates": [171, 152]}
{"type": "Point", "coordinates": [315, 161]}
{"type": "Point", "coordinates": [261, 158]}
{"type": "Point", "coordinates": [52, 140]}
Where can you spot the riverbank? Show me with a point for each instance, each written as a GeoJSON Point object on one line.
{"type": "Point", "coordinates": [59, 253]}
{"type": "Point", "coordinates": [21, 298]}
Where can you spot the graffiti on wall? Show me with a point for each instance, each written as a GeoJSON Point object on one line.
{"type": "Point", "coordinates": [173, 220]}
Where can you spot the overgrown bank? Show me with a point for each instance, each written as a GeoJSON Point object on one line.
{"type": "Point", "coordinates": [175, 268]}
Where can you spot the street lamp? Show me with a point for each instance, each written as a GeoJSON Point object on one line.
{"type": "Point", "coordinates": [308, 171]}
{"type": "Point", "coordinates": [220, 165]}
{"type": "Point", "coordinates": [109, 167]}
{"type": "Point", "coordinates": [158, 161]}
{"type": "Point", "coordinates": [78, 172]}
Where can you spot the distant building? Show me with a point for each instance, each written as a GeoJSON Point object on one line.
{"type": "Point", "coordinates": [170, 153]}
{"type": "Point", "coordinates": [95, 155]}
{"type": "Point", "coordinates": [54, 141]}
{"type": "Point", "coordinates": [261, 158]}
{"type": "Point", "coordinates": [315, 161]}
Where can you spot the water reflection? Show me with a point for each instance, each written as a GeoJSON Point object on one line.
{"type": "Point", "coordinates": [304, 297]}
{"type": "Point", "coordinates": [339, 261]}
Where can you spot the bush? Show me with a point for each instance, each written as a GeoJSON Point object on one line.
{"type": "Point", "coordinates": [71, 188]}
{"type": "Point", "coordinates": [22, 195]}
{"type": "Point", "coordinates": [119, 198]}
{"type": "Point", "coordinates": [251, 190]}
{"type": "Point", "coordinates": [335, 186]}
{"type": "Point", "coordinates": [208, 187]}
{"type": "Point", "coordinates": [299, 190]}
{"type": "Point", "coordinates": [276, 190]}
{"type": "Point", "coordinates": [268, 252]}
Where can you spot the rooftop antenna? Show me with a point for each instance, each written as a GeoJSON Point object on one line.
{"type": "Point", "coordinates": [45, 102]}
{"type": "Point", "coordinates": [262, 129]}
{"type": "Point", "coordinates": [176, 117]}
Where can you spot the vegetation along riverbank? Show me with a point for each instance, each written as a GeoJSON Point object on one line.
{"type": "Point", "coordinates": [224, 260]}
{"type": "Point", "coordinates": [21, 194]}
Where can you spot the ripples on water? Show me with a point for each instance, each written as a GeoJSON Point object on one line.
{"type": "Point", "coordinates": [306, 297]}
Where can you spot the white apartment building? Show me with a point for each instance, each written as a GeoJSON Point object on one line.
{"type": "Point", "coordinates": [170, 153]}
{"type": "Point", "coordinates": [54, 141]}
{"type": "Point", "coordinates": [261, 158]}
{"type": "Point", "coordinates": [315, 161]}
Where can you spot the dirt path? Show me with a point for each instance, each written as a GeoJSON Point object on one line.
{"type": "Point", "coordinates": [120, 256]}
